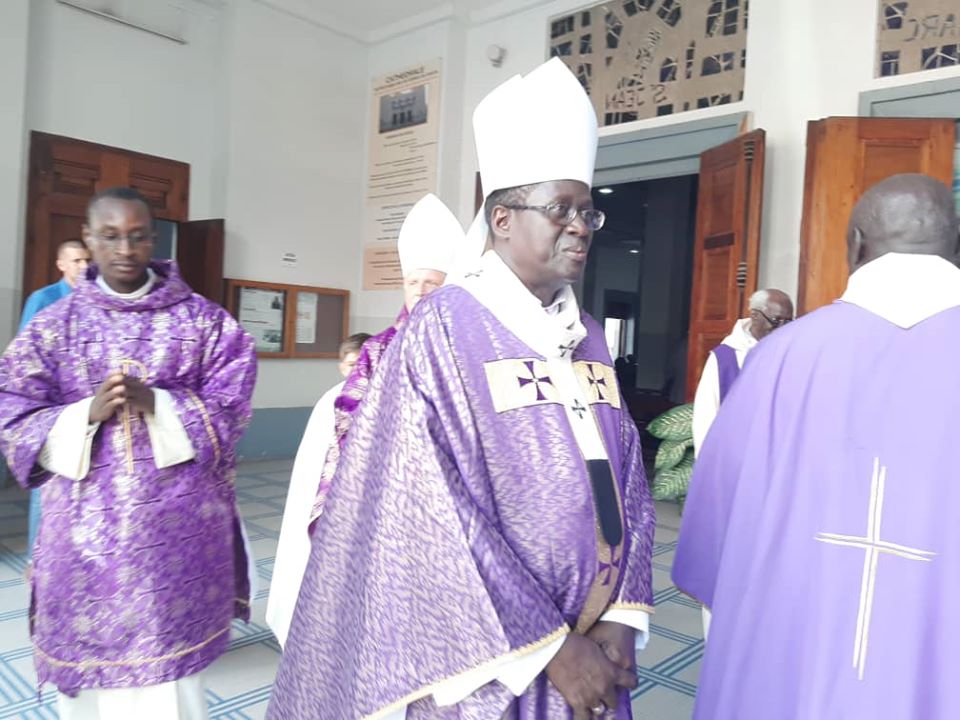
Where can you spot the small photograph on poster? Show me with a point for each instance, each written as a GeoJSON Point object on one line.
{"type": "Point", "coordinates": [403, 109]}
{"type": "Point", "coordinates": [261, 315]}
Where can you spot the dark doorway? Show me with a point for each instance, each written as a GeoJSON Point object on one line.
{"type": "Point", "coordinates": [638, 280]}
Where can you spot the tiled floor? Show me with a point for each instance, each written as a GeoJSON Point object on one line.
{"type": "Point", "coordinates": [238, 684]}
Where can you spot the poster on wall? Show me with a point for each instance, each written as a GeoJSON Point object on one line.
{"type": "Point", "coordinates": [261, 315]}
{"type": "Point", "coordinates": [916, 35]}
{"type": "Point", "coordinates": [644, 58]}
{"type": "Point", "coordinates": [307, 318]}
{"type": "Point", "coordinates": [402, 165]}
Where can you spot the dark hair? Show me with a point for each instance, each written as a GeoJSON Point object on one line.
{"type": "Point", "coordinates": [507, 196]}
{"type": "Point", "coordinates": [353, 343]}
{"type": "Point", "coordinates": [118, 193]}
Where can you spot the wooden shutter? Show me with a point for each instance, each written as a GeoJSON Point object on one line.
{"type": "Point", "coordinates": [845, 156]}
{"type": "Point", "coordinates": [200, 256]}
{"type": "Point", "coordinates": [727, 244]}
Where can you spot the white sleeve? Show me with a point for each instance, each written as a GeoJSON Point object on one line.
{"type": "Point", "coordinates": [67, 450]}
{"type": "Point", "coordinates": [639, 620]}
{"type": "Point", "coordinates": [168, 438]}
{"type": "Point", "coordinates": [516, 674]}
{"type": "Point", "coordinates": [706, 402]}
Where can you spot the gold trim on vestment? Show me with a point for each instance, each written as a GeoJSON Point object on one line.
{"type": "Point", "coordinates": [430, 689]}
{"type": "Point", "coordinates": [126, 417]}
{"type": "Point", "coordinates": [120, 663]}
{"type": "Point", "coordinates": [631, 606]}
{"type": "Point", "coordinates": [207, 424]}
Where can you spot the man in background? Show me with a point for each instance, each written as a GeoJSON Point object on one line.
{"type": "Point", "coordinates": [821, 525]}
{"type": "Point", "coordinates": [769, 310]}
{"type": "Point", "coordinates": [430, 240]}
{"type": "Point", "coordinates": [72, 261]}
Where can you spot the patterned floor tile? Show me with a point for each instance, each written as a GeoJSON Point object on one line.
{"type": "Point", "coordinates": [238, 684]}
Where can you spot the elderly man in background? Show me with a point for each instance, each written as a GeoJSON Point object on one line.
{"type": "Point", "coordinates": [769, 310]}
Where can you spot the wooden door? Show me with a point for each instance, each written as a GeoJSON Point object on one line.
{"type": "Point", "coordinates": [64, 175]}
{"type": "Point", "coordinates": [727, 244]}
{"type": "Point", "coordinates": [845, 156]}
{"type": "Point", "coordinates": [200, 256]}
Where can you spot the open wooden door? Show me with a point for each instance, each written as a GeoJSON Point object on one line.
{"type": "Point", "coordinates": [200, 256]}
{"type": "Point", "coordinates": [727, 244]}
{"type": "Point", "coordinates": [64, 175]}
{"type": "Point", "coordinates": [845, 156]}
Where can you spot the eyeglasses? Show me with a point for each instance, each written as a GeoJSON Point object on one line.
{"type": "Point", "coordinates": [135, 238]}
{"type": "Point", "coordinates": [564, 214]}
{"type": "Point", "coordinates": [775, 322]}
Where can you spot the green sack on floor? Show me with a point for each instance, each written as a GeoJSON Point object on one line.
{"type": "Point", "coordinates": [675, 424]}
{"type": "Point", "coordinates": [674, 463]}
{"type": "Point", "coordinates": [673, 483]}
{"type": "Point", "coordinates": [671, 453]}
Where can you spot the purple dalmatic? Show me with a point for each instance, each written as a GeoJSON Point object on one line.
{"type": "Point", "coordinates": [821, 526]}
{"type": "Point", "coordinates": [137, 572]}
{"type": "Point", "coordinates": [728, 369]}
{"type": "Point", "coordinates": [455, 535]}
{"type": "Point", "coordinates": [346, 404]}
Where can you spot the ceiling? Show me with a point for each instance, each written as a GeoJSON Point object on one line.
{"type": "Point", "coordinates": [377, 20]}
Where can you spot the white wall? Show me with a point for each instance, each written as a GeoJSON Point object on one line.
{"type": "Point", "coordinates": [805, 61]}
{"type": "Point", "coordinates": [294, 170]}
{"type": "Point", "coordinates": [108, 83]}
{"type": "Point", "coordinates": [14, 21]}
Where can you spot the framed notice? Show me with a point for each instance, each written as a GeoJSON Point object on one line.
{"type": "Point", "coordinates": [402, 167]}
{"type": "Point", "coordinates": [291, 321]}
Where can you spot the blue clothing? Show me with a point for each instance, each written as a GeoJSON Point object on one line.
{"type": "Point", "coordinates": [44, 297]}
{"type": "Point", "coordinates": [38, 300]}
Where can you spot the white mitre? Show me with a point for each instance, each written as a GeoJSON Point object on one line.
{"type": "Point", "coordinates": [430, 237]}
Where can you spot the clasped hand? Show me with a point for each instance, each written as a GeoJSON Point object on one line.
{"type": "Point", "coordinates": [117, 390]}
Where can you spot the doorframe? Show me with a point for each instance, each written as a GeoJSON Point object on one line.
{"type": "Point", "coordinates": [922, 92]}
{"type": "Point", "coordinates": [663, 151]}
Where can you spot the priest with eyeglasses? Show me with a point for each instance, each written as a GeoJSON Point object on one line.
{"type": "Point", "coordinates": [485, 550]}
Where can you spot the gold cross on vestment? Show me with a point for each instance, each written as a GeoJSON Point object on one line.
{"type": "Point", "coordinates": [874, 547]}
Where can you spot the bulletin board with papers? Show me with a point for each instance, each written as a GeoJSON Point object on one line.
{"type": "Point", "coordinates": [291, 321]}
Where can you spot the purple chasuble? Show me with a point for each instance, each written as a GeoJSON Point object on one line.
{"type": "Point", "coordinates": [347, 402]}
{"type": "Point", "coordinates": [137, 572]}
{"type": "Point", "coordinates": [455, 535]}
{"type": "Point", "coordinates": [821, 526]}
{"type": "Point", "coordinates": [728, 368]}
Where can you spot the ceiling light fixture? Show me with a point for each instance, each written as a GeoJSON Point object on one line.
{"type": "Point", "coordinates": [634, 251]}
{"type": "Point", "coordinates": [605, 191]}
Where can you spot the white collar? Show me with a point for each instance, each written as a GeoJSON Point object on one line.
{"type": "Point", "coordinates": [905, 289]}
{"type": "Point", "coordinates": [136, 294]}
{"type": "Point", "coordinates": [740, 338]}
{"type": "Point", "coordinates": [552, 331]}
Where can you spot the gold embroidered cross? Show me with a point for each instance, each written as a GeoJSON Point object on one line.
{"type": "Point", "coordinates": [874, 547]}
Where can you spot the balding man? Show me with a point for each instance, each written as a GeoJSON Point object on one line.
{"type": "Point", "coordinates": [769, 310]}
{"type": "Point", "coordinates": [821, 526]}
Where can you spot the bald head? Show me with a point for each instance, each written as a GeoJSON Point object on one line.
{"type": "Point", "coordinates": [910, 213]}
{"type": "Point", "coordinates": [769, 309]}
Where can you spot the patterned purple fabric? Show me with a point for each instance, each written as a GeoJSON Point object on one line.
{"type": "Point", "coordinates": [727, 366]}
{"type": "Point", "coordinates": [454, 535]}
{"type": "Point", "coordinates": [137, 571]}
{"type": "Point", "coordinates": [346, 404]}
{"type": "Point", "coordinates": [821, 525]}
